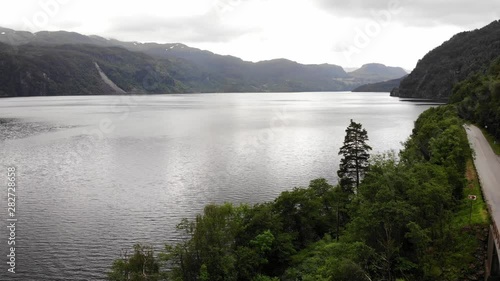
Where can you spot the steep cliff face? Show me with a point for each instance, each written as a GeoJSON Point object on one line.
{"type": "Point", "coordinates": [455, 60]}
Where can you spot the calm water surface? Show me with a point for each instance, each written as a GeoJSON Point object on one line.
{"type": "Point", "coordinates": [99, 174]}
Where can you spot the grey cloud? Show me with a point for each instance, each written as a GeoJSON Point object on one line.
{"type": "Point", "coordinates": [209, 27]}
{"type": "Point", "coordinates": [67, 24]}
{"type": "Point", "coordinates": [463, 13]}
{"type": "Point", "coordinates": [353, 7]}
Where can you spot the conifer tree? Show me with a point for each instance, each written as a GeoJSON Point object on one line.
{"type": "Point", "coordinates": [354, 162]}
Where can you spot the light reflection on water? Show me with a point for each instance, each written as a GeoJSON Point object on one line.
{"type": "Point", "coordinates": [82, 197]}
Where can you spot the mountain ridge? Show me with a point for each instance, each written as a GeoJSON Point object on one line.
{"type": "Point", "coordinates": [190, 69]}
{"type": "Point", "coordinates": [384, 86]}
{"type": "Point", "coordinates": [30, 70]}
{"type": "Point", "coordinates": [373, 71]}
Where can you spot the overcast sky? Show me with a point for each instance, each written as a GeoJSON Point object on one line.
{"type": "Point", "coordinates": [343, 32]}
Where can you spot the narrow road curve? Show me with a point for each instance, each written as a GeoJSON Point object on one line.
{"type": "Point", "coordinates": [488, 168]}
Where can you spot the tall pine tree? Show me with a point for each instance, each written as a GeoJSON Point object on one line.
{"type": "Point", "coordinates": [354, 162]}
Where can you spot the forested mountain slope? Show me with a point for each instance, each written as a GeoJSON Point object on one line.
{"type": "Point", "coordinates": [455, 60]}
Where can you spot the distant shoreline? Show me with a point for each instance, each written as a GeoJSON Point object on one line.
{"type": "Point", "coordinates": [197, 93]}
{"type": "Point", "coordinates": [413, 100]}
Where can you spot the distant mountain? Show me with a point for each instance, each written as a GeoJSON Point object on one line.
{"type": "Point", "coordinates": [34, 70]}
{"type": "Point", "coordinates": [455, 60]}
{"type": "Point", "coordinates": [385, 86]}
{"type": "Point", "coordinates": [192, 70]}
{"type": "Point", "coordinates": [376, 72]}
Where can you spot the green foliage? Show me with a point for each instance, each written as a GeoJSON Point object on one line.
{"type": "Point", "coordinates": [405, 210]}
{"type": "Point", "coordinates": [439, 138]}
{"type": "Point", "coordinates": [307, 214]}
{"type": "Point", "coordinates": [253, 243]}
{"type": "Point", "coordinates": [204, 276]}
{"type": "Point", "coordinates": [141, 266]}
{"type": "Point", "coordinates": [265, 278]}
{"type": "Point", "coordinates": [478, 99]}
{"type": "Point", "coordinates": [478, 215]}
{"type": "Point", "coordinates": [211, 250]}
{"type": "Point", "coordinates": [328, 260]}
{"type": "Point", "coordinates": [263, 242]}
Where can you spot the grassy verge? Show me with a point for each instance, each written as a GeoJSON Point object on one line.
{"type": "Point", "coordinates": [491, 140]}
{"type": "Point", "coordinates": [470, 223]}
{"type": "Point", "coordinates": [479, 215]}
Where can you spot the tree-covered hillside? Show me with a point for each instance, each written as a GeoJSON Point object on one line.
{"type": "Point", "coordinates": [478, 99]}
{"type": "Point", "coordinates": [42, 70]}
{"type": "Point", "coordinates": [465, 54]}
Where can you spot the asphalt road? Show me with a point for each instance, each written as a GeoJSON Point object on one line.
{"type": "Point", "coordinates": [488, 168]}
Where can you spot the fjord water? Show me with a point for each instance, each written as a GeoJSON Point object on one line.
{"type": "Point", "coordinates": [97, 174]}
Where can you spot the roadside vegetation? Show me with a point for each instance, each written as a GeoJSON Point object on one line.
{"type": "Point", "coordinates": [478, 101]}
{"type": "Point", "coordinates": [494, 143]}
